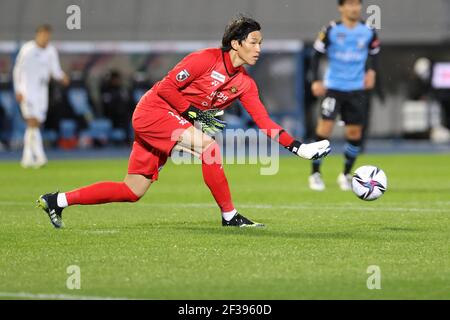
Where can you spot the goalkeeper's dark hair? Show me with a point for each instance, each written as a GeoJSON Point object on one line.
{"type": "Point", "coordinates": [238, 29]}
{"type": "Point", "coordinates": [342, 2]}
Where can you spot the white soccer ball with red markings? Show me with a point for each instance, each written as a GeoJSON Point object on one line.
{"type": "Point", "coordinates": [369, 183]}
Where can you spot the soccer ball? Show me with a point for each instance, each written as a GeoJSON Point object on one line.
{"type": "Point", "coordinates": [369, 183]}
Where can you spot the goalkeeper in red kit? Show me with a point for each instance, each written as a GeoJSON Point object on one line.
{"type": "Point", "coordinates": [195, 91]}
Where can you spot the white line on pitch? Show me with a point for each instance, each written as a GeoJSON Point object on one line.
{"type": "Point", "coordinates": [28, 295]}
{"type": "Point", "coordinates": [337, 207]}
{"type": "Point", "coordinates": [297, 207]}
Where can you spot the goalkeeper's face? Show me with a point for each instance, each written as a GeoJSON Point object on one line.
{"type": "Point", "coordinates": [250, 48]}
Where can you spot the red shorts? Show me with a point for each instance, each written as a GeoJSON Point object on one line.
{"type": "Point", "coordinates": [156, 131]}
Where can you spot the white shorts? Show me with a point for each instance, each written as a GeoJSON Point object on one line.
{"type": "Point", "coordinates": [34, 110]}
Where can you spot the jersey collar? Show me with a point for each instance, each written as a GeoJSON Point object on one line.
{"type": "Point", "coordinates": [231, 70]}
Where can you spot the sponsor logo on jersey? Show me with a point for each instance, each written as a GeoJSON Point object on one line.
{"type": "Point", "coordinates": [349, 56]}
{"type": "Point", "coordinates": [182, 75]}
{"type": "Point", "coordinates": [218, 76]}
{"type": "Point", "coordinates": [219, 95]}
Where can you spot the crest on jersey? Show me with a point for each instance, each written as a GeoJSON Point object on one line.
{"type": "Point", "coordinates": [182, 75]}
{"type": "Point", "coordinates": [233, 89]}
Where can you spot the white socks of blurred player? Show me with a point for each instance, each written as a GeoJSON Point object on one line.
{"type": "Point", "coordinates": [33, 149]}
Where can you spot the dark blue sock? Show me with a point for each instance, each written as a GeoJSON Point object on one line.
{"type": "Point", "coordinates": [351, 151]}
{"type": "Point", "coordinates": [316, 163]}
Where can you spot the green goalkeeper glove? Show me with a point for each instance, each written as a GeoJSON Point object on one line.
{"type": "Point", "coordinates": [205, 120]}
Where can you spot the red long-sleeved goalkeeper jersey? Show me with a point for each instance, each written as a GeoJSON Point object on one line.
{"type": "Point", "coordinates": [207, 79]}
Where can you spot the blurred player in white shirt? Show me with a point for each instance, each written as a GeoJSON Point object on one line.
{"type": "Point", "coordinates": [36, 62]}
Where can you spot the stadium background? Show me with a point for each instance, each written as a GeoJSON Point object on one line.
{"type": "Point", "coordinates": [170, 244]}
{"type": "Point", "coordinates": [144, 39]}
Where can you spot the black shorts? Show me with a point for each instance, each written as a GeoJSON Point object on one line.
{"type": "Point", "coordinates": [352, 106]}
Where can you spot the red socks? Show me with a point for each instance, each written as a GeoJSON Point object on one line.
{"type": "Point", "coordinates": [215, 178]}
{"type": "Point", "coordinates": [101, 192]}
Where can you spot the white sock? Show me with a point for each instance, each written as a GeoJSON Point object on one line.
{"type": "Point", "coordinates": [62, 200]}
{"type": "Point", "coordinates": [229, 215]}
{"type": "Point", "coordinates": [27, 156]}
{"type": "Point", "coordinates": [37, 146]}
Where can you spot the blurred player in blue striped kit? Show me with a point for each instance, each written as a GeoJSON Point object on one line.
{"type": "Point", "coordinates": [350, 46]}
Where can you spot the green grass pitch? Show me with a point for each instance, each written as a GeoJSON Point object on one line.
{"type": "Point", "coordinates": [170, 245]}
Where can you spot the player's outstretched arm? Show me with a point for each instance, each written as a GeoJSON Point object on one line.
{"type": "Point", "coordinates": [310, 151]}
